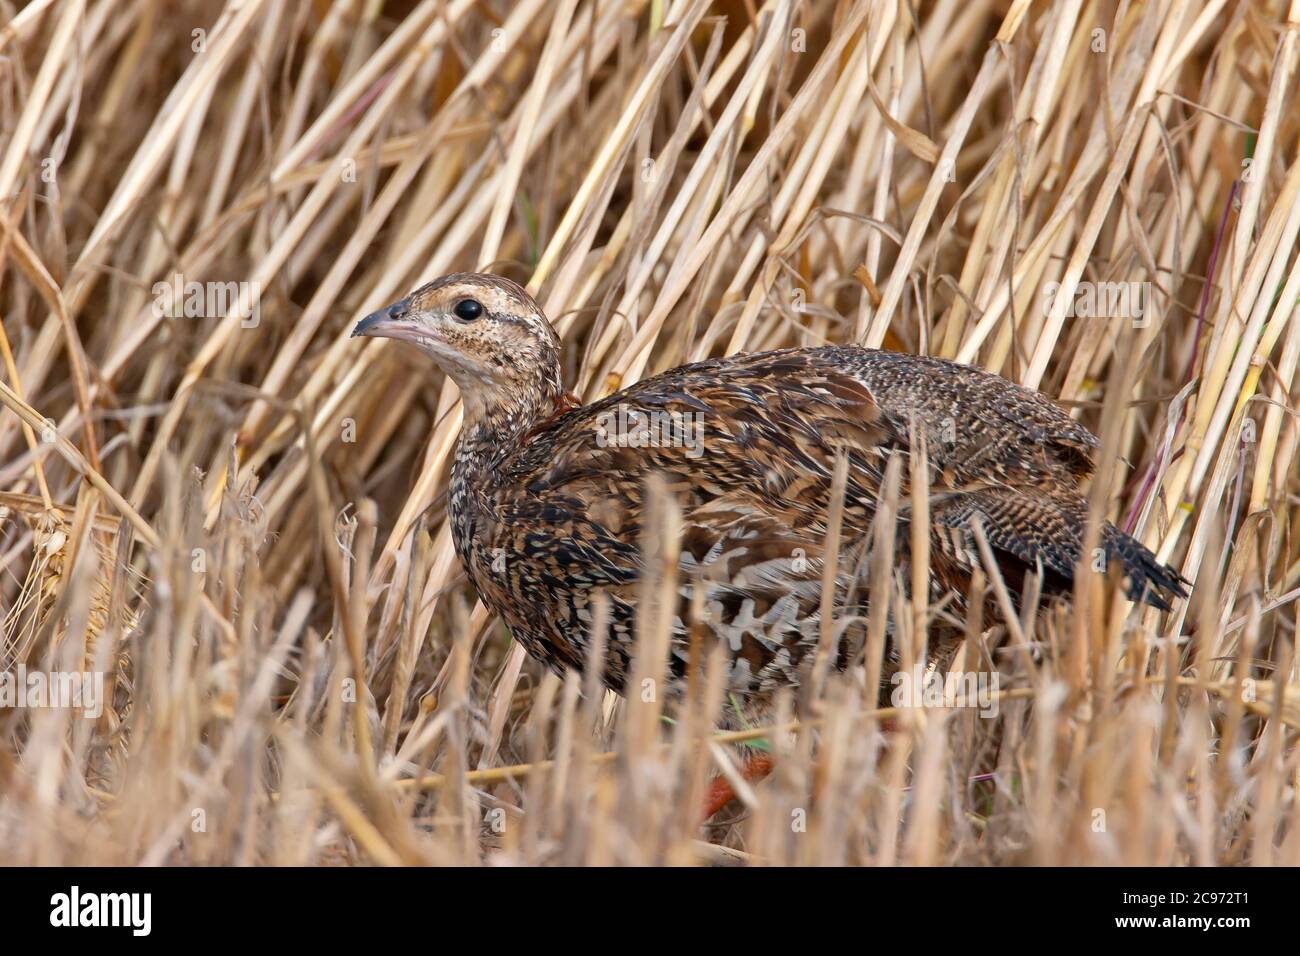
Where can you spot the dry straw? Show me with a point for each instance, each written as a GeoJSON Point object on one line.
{"type": "Point", "coordinates": [236, 515]}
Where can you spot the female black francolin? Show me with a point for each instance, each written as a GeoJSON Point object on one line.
{"type": "Point", "coordinates": [547, 498]}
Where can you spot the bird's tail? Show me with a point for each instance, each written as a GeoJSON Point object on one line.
{"type": "Point", "coordinates": [1146, 578]}
{"type": "Point", "coordinates": [1029, 528]}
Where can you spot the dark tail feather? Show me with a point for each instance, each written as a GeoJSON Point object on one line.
{"type": "Point", "coordinates": [1145, 578]}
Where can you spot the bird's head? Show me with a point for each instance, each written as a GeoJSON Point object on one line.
{"type": "Point", "coordinates": [485, 332]}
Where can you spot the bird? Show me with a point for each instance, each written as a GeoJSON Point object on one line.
{"type": "Point", "coordinates": [547, 496]}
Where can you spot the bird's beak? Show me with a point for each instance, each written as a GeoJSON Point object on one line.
{"type": "Point", "coordinates": [387, 322]}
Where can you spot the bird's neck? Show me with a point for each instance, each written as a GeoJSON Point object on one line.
{"type": "Point", "coordinates": [498, 419]}
{"type": "Point", "coordinates": [497, 425]}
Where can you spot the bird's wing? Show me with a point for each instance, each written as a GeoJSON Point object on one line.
{"type": "Point", "coordinates": [749, 459]}
{"type": "Point", "coordinates": [980, 427]}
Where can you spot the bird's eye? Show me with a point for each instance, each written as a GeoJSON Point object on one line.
{"type": "Point", "coordinates": [467, 310]}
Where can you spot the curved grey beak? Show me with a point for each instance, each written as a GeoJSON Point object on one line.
{"type": "Point", "coordinates": [383, 323]}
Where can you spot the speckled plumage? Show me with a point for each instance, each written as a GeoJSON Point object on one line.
{"type": "Point", "coordinates": [546, 500]}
